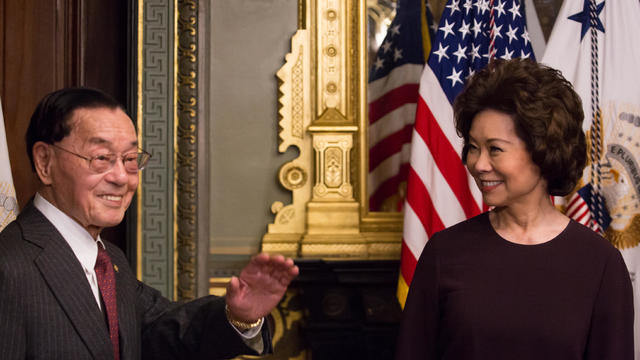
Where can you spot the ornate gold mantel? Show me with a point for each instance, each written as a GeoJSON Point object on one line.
{"type": "Point", "coordinates": [323, 113]}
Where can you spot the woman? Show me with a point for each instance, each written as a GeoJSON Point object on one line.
{"type": "Point", "coordinates": [521, 281]}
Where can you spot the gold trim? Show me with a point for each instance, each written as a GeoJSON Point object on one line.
{"type": "Point", "coordinates": [175, 149]}
{"type": "Point", "coordinates": [323, 88]}
{"type": "Point", "coordinates": [363, 110]}
{"type": "Point", "coordinates": [139, 126]}
{"type": "Point", "coordinates": [388, 223]}
{"type": "Point", "coordinates": [187, 121]}
{"type": "Point", "coordinates": [627, 238]}
{"type": "Point", "coordinates": [371, 221]}
{"type": "Point", "coordinates": [321, 128]}
{"type": "Point", "coordinates": [218, 285]}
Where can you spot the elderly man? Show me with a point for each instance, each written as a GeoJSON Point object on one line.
{"type": "Point", "coordinates": [66, 294]}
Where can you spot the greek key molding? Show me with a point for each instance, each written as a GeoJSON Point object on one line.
{"type": "Point", "coordinates": [157, 185]}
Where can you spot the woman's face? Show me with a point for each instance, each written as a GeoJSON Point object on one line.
{"type": "Point", "coordinates": [500, 163]}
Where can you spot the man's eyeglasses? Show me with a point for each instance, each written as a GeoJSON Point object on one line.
{"type": "Point", "coordinates": [133, 162]}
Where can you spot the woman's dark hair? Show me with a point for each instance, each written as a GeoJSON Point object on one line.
{"type": "Point", "coordinates": [50, 121]}
{"type": "Point", "coordinates": [546, 111]}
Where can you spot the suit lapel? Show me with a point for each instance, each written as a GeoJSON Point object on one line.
{"type": "Point", "coordinates": [63, 273]}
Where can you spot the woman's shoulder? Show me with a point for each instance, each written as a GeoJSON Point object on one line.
{"type": "Point", "coordinates": [583, 243]}
{"type": "Point", "coordinates": [472, 225]}
{"type": "Point", "coordinates": [465, 231]}
{"type": "Point", "coordinates": [585, 237]}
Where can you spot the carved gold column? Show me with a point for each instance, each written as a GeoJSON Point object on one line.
{"type": "Point", "coordinates": [323, 114]}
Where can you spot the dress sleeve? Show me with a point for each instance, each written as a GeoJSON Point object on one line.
{"type": "Point", "coordinates": [611, 333]}
{"type": "Point", "coordinates": [419, 325]}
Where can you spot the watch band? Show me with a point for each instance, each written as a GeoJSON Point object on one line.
{"type": "Point", "coordinates": [241, 325]}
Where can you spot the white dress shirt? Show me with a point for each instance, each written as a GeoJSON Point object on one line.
{"type": "Point", "coordinates": [78, 238]}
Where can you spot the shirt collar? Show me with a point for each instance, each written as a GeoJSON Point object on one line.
{"type": "Point", "coordinates": [83, 245]}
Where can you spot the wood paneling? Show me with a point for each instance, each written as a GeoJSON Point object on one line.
{"type": "Point", "coordinates": [49, 44]}
{"type": "Point", "coordinates": [32, 65]}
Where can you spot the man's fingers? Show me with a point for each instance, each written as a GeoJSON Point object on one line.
{"type": "Point", "coordinates": [295, 271]}
{"type": "Point", "coordinates": [276, 267]}
{"type": "Point", "coordinates": [233, 286]}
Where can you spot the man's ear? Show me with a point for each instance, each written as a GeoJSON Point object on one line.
{"type": "Point", "coordinates": [42, 160]}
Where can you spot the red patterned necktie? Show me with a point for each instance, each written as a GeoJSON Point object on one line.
{"type": "Point", "coordinates": [107, 285]}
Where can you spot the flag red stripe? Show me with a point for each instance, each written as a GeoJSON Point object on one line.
{"type": "Point", "coordinates": [577, 216]}
{"type": "Point", "coordinates": [388, 146]}
{"type": "Point", "coordinates": [575, 206]}
{"type": "Point", "coordinates": [408, 264]}
{"type": "Point", "coordinates": [405, 94]}
{"type": "Point", "coordinates": [420, 201]}
{"type": "Point", "coordinates": [446, 158]}
{"type": "Point", "coordinates": [388, 188]}
{"type": "Point", "coordinates": [574, 199]}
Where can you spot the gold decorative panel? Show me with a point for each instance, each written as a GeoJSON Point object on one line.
{"type": "Point", "coordinates": [332, 167]}
{"type": "Point", "coordinates": [323, 113]}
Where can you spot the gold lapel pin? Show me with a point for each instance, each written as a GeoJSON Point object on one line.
{"type": "Point", "coordinates": [115, 267]}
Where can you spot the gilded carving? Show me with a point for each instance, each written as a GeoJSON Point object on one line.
{"type": "Point", "coordinates": [323, 112]}
{"type": "Point", "coordinates": [332, 116]}
{"type": "Point", "coordinates": [297, 97]}
{"type": "Point", "coordinates": [383, 250]}
{"type": "Point", "coordinates": [186, 160]}
{"type": "Point", "coordinates": [332, 87]}
{"type": "Point", "coordinates": [284, 234]}
{"type": "Point", "coordinates": [331, 39]}
{"type": "Point", "coordinates": [288, 249]}
{"type": "Point", "coordinates": [331, 51]}
{"type": "Point", "coordinates": [334, 250]}
{"type": "Point", "coordinates": [345, 190]}
{"type": "Point", "coordinates": [292, 176]}
{"type": "Point", "coordinates": [333, 167]}
{"type": "Point", "coordinates": [286, 216]}
{"type": "Point", "coordinates": [293, 98]}
{"type": "Point", "coordinates": [320, 190]}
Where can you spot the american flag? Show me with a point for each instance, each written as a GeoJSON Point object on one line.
{"type": "Point", "coordinates": [393, 92]}
{"type": "Point", "coordinates": [580, 208]}
{"type": "Point", "coordinates": [440, 191]}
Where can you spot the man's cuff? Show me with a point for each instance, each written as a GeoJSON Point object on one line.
{"type": "Point", "coordinates": [252, 337]}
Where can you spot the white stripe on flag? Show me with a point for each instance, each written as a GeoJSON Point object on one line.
{"type": "Point", "coordinates": [414, 235]}
{"type": "Point", "coordinates": [387, 168]}
{"type": "Point", "coordinates": [394, 121]}
{"type": "Point", "coordinates": [439, 105]}
{"type": "Point", "coordinates": [422, 162]}
{"type": "Point", "coordinates": [405, 74]}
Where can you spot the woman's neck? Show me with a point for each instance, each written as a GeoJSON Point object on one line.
{"type": "Point", "coordinates": [529, 224]}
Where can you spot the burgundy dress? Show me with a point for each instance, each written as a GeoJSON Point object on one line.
{"type": "Point", "coordinates": [476, 295]}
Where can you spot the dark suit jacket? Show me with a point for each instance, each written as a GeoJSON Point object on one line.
{"type": "Point", "coordinates": [47, 309]}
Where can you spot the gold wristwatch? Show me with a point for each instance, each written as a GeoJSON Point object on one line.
{"type": "Point", "coordinates": [241, 325]}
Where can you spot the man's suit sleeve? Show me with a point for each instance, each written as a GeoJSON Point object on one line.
{"type": "Point", "coordinates": [196, 330]}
